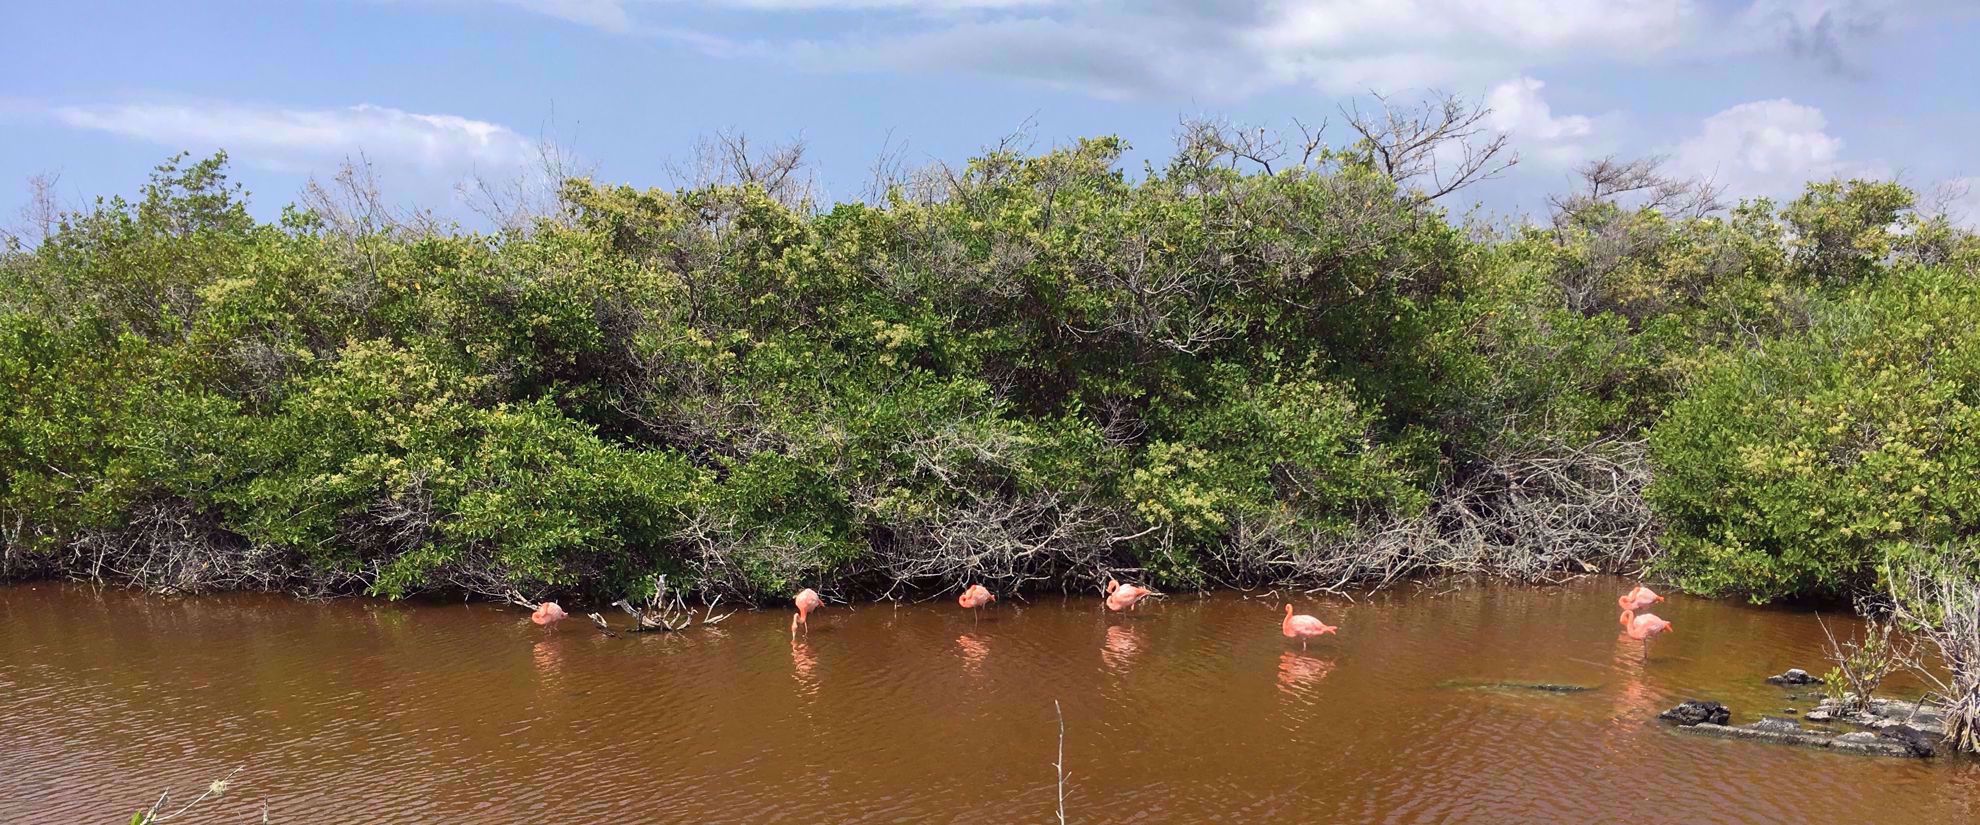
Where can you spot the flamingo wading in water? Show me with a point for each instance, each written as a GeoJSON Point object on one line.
{"type": "Point", "coordinates": [974, 597]}
{"type": "Point", "coordinates": [1303, 627]}
{"type": "Point", "coordinates": [1125, 596]}
{"type": "Point", "coordinates": [807, 600]}
{"type": "Point", "coordinates": [1642, 626]}
{"type": "Point", "coordinates": [547, 613]}
{"type": "Point", "coordinates": [1638, 598]}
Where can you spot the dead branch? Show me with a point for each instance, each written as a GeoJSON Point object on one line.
{"type": "Point", "coordinates": [1438, 146]}
{"type": "Point", "coordinates": [727, 158]}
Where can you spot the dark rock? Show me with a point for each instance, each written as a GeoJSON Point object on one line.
{"type": "Point", "coordinates": [1775, 723]}
{"type": "Point", "coordinates": [1793, 676]}
{"type": "Point", "coordinates": [1857, 737]}
{"type": "Point", "coordinates": [1693, 712]}
{"type": "Point", "coordinates": [1919, 743]}
{"type": "Point", "coordinates": [1789, 710]}
{"type": "Point", "coordinates": [1870, 747]}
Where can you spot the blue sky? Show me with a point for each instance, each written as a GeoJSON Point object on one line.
{"type": "Point", "coordinates": [1760, 95]}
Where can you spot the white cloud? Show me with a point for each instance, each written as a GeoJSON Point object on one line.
{"type": "Point", "coordinates": [1227, 49]}
{"type": "Point", "coordinates": [1519, 111]}
{"type": "Point", "coordinates": [1537, 25]}
{"type": "Point", "coordinates": [1769, 148]}
{"type": "Point", "coordinates": [299, 139]}
{"type": "Point", "coordinates": [861, 5]}
{"type": "Point", "coordinates": [1219, 49]}
{"type": "Point", "coordinates": [610, 15]}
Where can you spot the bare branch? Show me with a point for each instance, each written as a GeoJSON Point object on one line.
{"type": "Point", "coordinates": [1609, 181]}
{"type": "Point", "coordinates": [1436, 147]}
{"type": "Point", "coordinates": [39, 217]}
{"type": "Point", "coordinates": [728, 158]}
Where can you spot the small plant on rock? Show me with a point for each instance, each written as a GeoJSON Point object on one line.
{"type": "Point", "coordinates": [1861, 664]}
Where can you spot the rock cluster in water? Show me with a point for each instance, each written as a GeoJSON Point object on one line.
{"type": "Point", "coordinates": [1793, 676]}
{"type": "Point", "coordinates": [1693, 712]}
{"type": "Point", "coordinates": [1893, 728]}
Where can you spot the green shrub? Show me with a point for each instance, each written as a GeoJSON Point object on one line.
{"type": "Point", "coordinates": [1793, 468]}
{"type": "Point", "coordinates": [1034, 370]}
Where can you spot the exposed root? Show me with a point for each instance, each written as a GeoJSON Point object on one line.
{"type": "Point", "coordinates": [1523, 515]}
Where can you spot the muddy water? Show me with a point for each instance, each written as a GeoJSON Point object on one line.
{"type": "Point", "coordinates": [1192, 710]}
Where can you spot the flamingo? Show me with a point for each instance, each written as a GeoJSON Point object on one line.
{"type": "Point", "coordinates": [1638, 598]}
{"type": "Point", "coordinates": [975, 596]}
{"type": "Point", "coordinates": [807, 600]}
{"type": "Point", "coordinates": [1125, 596]}
{"type": "Point", "coordinates": [1642, 626]}
{"type": "Point", "coordinates": [1303, 626]}
{"type": "Point", "coordinates": [547, 613]}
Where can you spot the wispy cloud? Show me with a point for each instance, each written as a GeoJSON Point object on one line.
{"type": "Point", "coordinates": [610, 15]}
{"type": "Point", "coordinates": [1829, 33]}
{"type": "Point", "coordinates": [301, 139]}
{"type": "Point", "coordinates": [1228, 49]}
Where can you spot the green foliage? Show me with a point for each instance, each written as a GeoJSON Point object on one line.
{"type": "Point", "coordinates": [1047, 369]}
{"type": "Point", "coordinates": [1794, 468]}
{"type": "Point", "coordinates": [1841, 231]}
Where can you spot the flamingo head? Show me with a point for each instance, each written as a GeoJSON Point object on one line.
{"type": "Point", "coordinates": [1112, 585]}
{"type": "Point", "coordinates": [1288, 611]}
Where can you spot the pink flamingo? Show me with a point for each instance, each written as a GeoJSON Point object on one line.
{"type": "Point", "coordinates": [1303, 626]}
{"type": "Point", "coordinates": [1638, 598]}
{"type": "Point", "coordinates": [1125, 596]}
{"type": "Point", "coordinates": [807, 600]}
{"type": "Point", "coordinates": [547, 613]}
{"type": "Point", "coordinates": [1642, 626]}
{"type": "Point", "coordinates": [974, 597]}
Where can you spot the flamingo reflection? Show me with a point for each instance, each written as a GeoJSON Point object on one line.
{"type": "Point", "coordinates": [974, 651]}
{"type": "Point", "coordinates": [1299, 672]}
{"type": "Point", "coordinates": [1121, 646]}
{"type": "Point", "coordinates": [803, 663]}
{"type": "Point", "coordinates": [547, 658]}
{"type": "Point", "coordinates": [1636, 701]}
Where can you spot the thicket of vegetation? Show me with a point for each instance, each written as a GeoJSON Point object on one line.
{"type": "Point", "coordinates": [1257, 362]}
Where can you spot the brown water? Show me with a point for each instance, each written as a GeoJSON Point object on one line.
{"type": "Point", "coordinates": [1192, 710]}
